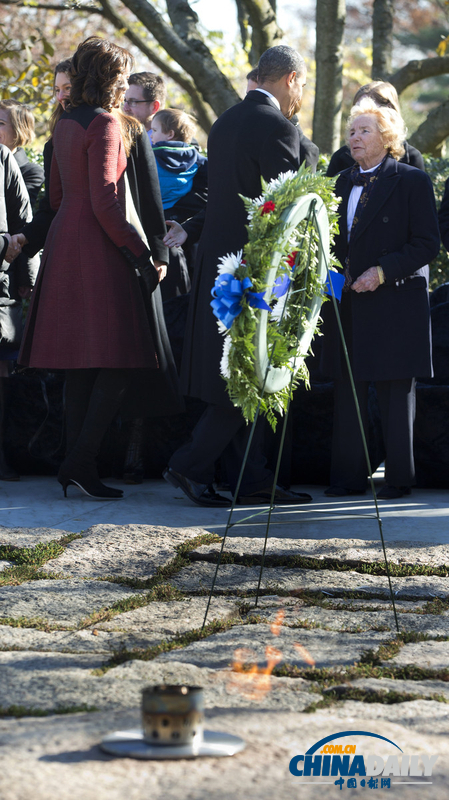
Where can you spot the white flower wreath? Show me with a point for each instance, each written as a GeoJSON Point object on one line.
{"type": "Point", "coordinates": [267, 298]}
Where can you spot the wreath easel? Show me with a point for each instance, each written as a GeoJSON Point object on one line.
{"type": "Point", "coordinates": [267, 301]}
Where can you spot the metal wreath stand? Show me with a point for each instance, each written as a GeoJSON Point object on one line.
{"type": "Point", "coordinates": [311, 208]}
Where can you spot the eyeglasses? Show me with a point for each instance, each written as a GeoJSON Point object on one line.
{"type": "Point", "coordinates": [133, 102]}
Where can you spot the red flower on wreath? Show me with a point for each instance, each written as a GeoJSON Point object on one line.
{"type": "Point", "coordinates": [291, 259]}
{"type": "Point", "coordinates": [267, 207]}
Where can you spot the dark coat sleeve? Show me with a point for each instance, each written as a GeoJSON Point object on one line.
{"type": "Point", "coordinates": [413, 157]}
{"type": "Point", "coordinates": [33, 175]}
{"type": "Point", "coordinates": [17, 204]}
{"type": "Point", "coordinates": [340, 160]}
{"type": "Point", "coordinates": [194, 226]}
{"type": "Point", "coordinates": [308, 151]}
{"type": "Point", "coordinates": [443, 216]}
{"type": "Point", "coordinates": [424, 242]}
{"type": "Point", "coordinates": [36, 230]}
{"type": "Point", "coordinates": [144, 185]}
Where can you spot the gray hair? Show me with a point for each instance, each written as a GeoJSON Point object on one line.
{"type": "Point", "coordinates": [390, 124]}
{"type": "Point", "coordinates": [279, 61]}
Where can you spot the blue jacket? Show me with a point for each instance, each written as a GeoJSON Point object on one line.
{"type": "Point", "coordinates": [177, 164]}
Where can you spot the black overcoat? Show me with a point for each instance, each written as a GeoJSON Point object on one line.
{"type": "Point", "coordinates": [250, 139]}
{"type": "Point", "coordinates": [398, 230]}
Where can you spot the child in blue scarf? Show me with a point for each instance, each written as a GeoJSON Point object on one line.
{"type": "Point", "coordinates": [177, 160]}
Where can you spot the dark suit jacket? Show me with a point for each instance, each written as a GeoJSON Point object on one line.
{"type": "Point", "coordinates": [250, 140]}
{"type": "Point", "coordinates": [309, 152]}
{"type": "Point", "coordinates": [388, 329]}
{"type": "Point", "coordinates": [342, 159]}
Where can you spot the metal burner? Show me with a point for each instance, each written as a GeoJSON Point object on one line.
{"type": "Point", "coordinates": [172, 727]}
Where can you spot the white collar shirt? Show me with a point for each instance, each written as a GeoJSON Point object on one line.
{"type": "Point", "coordinates": [354, 198]}
{"type": "Point", "coordinates": [271, 96]}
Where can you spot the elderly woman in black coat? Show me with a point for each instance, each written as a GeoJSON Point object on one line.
{"type": "Point", "coordinates": [388, 235]}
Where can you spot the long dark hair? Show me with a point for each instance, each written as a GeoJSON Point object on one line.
{"type": "Point", "coordinates": [97, 73]}
{"type": "Point", "coordinates": [63, 66]}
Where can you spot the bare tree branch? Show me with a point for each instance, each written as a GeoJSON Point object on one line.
{"type": "Point", "coordinates": [265, 30]}
{"type": "Point", "coordinates": [203, 114]}
{"type": "Point", "coordinates": [432, 132]}
{"type": "Point", "coordinates": [182, 42]}
{"type": "Point", "coordinates": [243, 21]}
{"type": "Point", "coordinates": [184, 45]}
{"type": "Point", "coordinates": [416, 71]}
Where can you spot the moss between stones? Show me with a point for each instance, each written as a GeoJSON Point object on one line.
{"type": "Point", "coordinates": [22, 711]}
{"type": "Point", "coordinates": [333, 564]}
{"type": "Point", "coordinates": [337, 696]}
{"type": "Point", "coordinates": [177, 643]}
{"type": "Point", "coordinates": [27, 560]}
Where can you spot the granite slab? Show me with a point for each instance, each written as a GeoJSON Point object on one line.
{"type": "Point", "coordinates": [61, 602]}
{"type": "Point", "coordinates": [198, 577]}
{"type": "Point", "coordinates": [399, 552]}
{"type": "Point", "coordinates": [134, 551]}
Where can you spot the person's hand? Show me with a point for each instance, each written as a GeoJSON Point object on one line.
{"type": "Point", "coordinates": [161, 269]}
{"type": "Point", "coordinates": [367, 282]}
{"type": "Point", "coordinates": [25, 292]}
{"type": "Point", "coordinates": [176, 235]}
{"type": "Point", "coordinates": [16, 243]}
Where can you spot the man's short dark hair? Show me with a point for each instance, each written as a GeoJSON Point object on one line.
{"type": "Point", "coordinates": [253, 75]}
{"type": "Point", "coordinates": [153, 86]}
{"type": "Point", "coordinates": [279, 61]}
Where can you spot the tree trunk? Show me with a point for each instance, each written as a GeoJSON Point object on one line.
{"type": "Point", "coordinates": [330, 23]}
{"type": "Point", "coordinates": [382, 39]}
{"type": "Point", "coordinates": [433, 131]}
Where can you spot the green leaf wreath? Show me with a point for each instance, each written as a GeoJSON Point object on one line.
{"type": "Point", "coordinates": [299, 259]}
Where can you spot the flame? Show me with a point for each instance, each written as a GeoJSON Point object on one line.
{"type": "Point", "coordinates": [304, 654]}
{"type": "Point", "coordinates": [252, 681]}
{"type": "Point", "coordinates": [275, 626]}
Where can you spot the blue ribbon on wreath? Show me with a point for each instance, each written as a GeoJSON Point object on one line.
{"type": "Point", "coordinates": [281, 286]}
{"type": "Point", "coordinates": [228, 293]}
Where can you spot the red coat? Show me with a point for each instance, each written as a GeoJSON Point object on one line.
{"type": "Point", "coordinates": [87, 308]}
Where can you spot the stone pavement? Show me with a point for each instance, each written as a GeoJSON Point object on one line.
{"type": "Point", "coordinates": [91, 613]}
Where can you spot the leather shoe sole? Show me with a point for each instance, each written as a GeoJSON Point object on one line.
{"type": "Point", "coordinates": [199, 493]}
{"type": "Point", "coordinates": [281, 497]}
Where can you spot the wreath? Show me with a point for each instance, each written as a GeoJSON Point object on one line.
{"type": "Point", "coordinates": [267, 298]}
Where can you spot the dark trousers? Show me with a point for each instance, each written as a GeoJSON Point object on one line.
{"type": "Point", "coordinates": [397, 410]}
{"type": "Point", "coordinates": [223, 432]}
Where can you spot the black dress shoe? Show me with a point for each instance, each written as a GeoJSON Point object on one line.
{"type": "Point", "coordinates": [393, 492]}
{"type": "Point", "coordinates": [200, 493]}
{"type": "Point", "coordinates": [342, 491]}
{"type": "Point", "coordinates": [281, 497]}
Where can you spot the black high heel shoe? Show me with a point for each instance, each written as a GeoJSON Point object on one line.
{"type": "Point", "coordinates": [89, 483]}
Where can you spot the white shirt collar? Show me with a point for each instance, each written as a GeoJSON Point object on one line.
{"type": "Point", "coordinates": [271, 96]}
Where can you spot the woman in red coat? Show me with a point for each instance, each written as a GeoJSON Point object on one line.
{"type": "Point", "coordinates": [87, 314]}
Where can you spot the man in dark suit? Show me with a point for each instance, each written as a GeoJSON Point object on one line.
{"type": "Point", "coordinates": [308, 151]}
{"type": "Point", "coordinates": [253, 139]}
